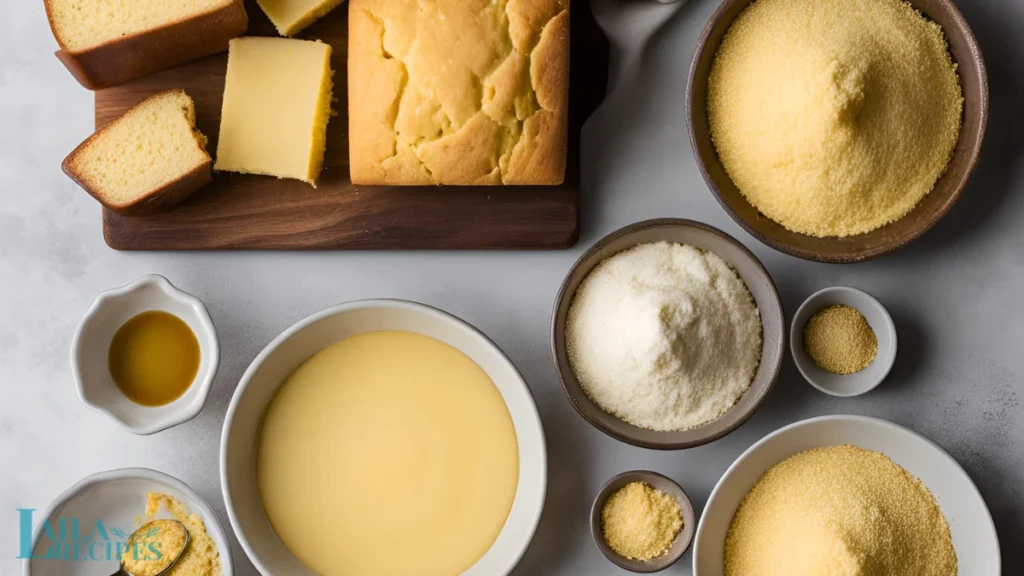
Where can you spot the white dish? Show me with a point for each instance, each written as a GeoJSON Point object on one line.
{"type": "Point", "coordinates": [974, 534]}
{"type": "Point", "coordinates": [116, 499]}
{"type": "Point", "coordinates": [288, 351]}
{"type": "Point", "coordinates": [845, 385]}
{"type": "Point", "coordinates": [89, 354]}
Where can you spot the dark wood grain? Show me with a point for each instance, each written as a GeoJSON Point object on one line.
{"type": "Point", "coordinates": [239, 212]}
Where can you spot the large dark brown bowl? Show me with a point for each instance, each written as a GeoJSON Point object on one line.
{"type": "Point", "coordinates": [974, 82]}
{"type": "Point", "coordinates": [749, 269]}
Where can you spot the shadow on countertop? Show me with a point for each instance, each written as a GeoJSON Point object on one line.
{"type": "Point", "coordinates": [1003, 149]}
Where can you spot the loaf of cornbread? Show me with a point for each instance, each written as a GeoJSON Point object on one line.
{"type": "Point", "coordinates": [459, 92]}
{"type": "Point", "coordinates": [147, 160]}
{"type": "Point", "coordinates": [277, 102]}
{"type": "Point", "coordinates": [292, 16]}
{"type": "Point", "coordinates": [107, 42]}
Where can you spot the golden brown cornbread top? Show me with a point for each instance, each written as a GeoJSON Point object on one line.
{"type": "Point", "coordinates": [458, 91]}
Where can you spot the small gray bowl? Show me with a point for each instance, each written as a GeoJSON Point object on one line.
{"type": "Point", "coordinates": [878, 318]}
{"type": "Point", "coordinates": [753, 274]}
{"type": "Point", "coordinates": [659, 482]}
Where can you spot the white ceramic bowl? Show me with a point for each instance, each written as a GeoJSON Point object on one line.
{"type": "Point", "coordinates": [296, 345]}
{"type": "Point", "coordinates": [974, 534]}
{"type": "Point", "coordinates": [116, 499]}
{"type": "Point", "coordinates": [89, 354]}
{"type": "Point", "coordinates": [845, 385]}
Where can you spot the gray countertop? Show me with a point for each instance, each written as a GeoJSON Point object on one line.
{"type": "Point", "coordinates": [955, 295]}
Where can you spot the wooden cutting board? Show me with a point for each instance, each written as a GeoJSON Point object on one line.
{"type": "Point", "coordinates": [239, 212]}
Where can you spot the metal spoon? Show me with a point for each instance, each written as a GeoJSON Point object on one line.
{"type": "Point", "coordinates": [122, 571]}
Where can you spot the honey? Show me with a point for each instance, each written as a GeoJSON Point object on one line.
{"type": "Point", "coordinates": [154, 358]}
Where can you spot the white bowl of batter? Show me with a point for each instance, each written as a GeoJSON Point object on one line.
{"type": "Point", "coordinates": [379, 433]}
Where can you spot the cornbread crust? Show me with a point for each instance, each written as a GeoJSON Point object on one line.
{"type": "Point", "coordinates": [458, 92]}
{"type": "Point", "coordinates": [140, 53]}
{"type": "Point", "coordinates": [152, 201]}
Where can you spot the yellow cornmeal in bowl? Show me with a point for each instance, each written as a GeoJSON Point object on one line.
{"type": "Point", "coordinates": [841, 511]}
{"type": "Point", "coordinates": [834, 117]}
{"type": "Point", "coordinates": [840, 340]}
{"type": "Point", "coordinates": [640, 522]}
{"type": "Point", "coordinates": [201, 557]}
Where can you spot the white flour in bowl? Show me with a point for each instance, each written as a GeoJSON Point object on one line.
{"type": "Point", "coordinates": [664, 336]}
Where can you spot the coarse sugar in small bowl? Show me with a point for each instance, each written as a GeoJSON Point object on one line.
{"type": "Point", "coordinates": [706, 253]}
{"type": "Point", "coordinates": [865, 376]}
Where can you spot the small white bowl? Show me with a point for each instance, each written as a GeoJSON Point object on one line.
{"type": "Point", "coordinates": [91, 348]}
{"type": "Point", "coordinates": [845, 385]}
{"type": "Point", "coordinates": [239, 446]}
{"type": "Point", "coordinates": [115, 498]}
{"type": "Point", "coordinates": [970, 523]}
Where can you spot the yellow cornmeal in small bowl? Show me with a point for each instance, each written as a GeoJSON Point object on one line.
{"type": "Point", "coordinates": [201, 557]}
{"type": "Point", "coordinates": [840, 340]}
{"type": "Point", "coordinates": [640, 522]}
{"type": "Point", "coordinates": [840, 511]}
{"type": "Point", "coordinates": [834, 117]}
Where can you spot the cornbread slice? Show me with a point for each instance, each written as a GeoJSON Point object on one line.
{"type": "Point", "coordinates": [462, 92]}
{"type": "Point", "coordinates": [147, 160]}
{"type": "Point", "coordinates": [291, 16]}
{"type": "Point", "coordinates": [277, 101]}
{"type": "Point", "coordinates": [107, 42]}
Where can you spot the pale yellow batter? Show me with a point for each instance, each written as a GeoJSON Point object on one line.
{"type": "Point", "coordinates": [388, 453]}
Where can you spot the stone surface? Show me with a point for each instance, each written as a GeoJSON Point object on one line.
{"type": "Point", "coordinates": [955, 297]}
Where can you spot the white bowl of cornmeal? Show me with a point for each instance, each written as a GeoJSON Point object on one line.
{"type": "Point", "coordinates": [383, 437]}
{"type": "Point", "coordinates": [896, 507]}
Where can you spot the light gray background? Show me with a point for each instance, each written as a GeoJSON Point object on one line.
{"type": "Point", "coordinates": [957, 297]}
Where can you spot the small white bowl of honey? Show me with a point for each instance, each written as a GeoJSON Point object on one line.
{"type": "Point", "coordinates": [145, 355]}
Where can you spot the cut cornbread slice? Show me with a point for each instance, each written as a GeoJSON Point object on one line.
{"type": "Point", "coordinates": [106, 42]}
{"type": "Point", "coordinates": [149, 159]}
{"type": "Point", "coordinates": [277, 101]}
{"type": "Point", "coordinates": [291, 16]}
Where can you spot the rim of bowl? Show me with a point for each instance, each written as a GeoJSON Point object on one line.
{"type": "Point", "coordinates": [974, 154]}
{"type": "Point", "coordinates": [660, 563]}
{"type": "Point", "coordinates": [203, 384]}
{"type": "Point", "coordinates": [291, 331]}
{"type": "Point", "coordinates": [208, 515]}
{"type": "Point", "coordinates": [669, 445]}
{"type": "Point", "coordinates": [800, 358]}
{"type": "Point", "coordinates": [712, 498]}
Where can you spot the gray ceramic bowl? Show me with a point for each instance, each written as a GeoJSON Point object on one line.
{"type": "Point", "coordinates": [850, 384]}
{"type": "Point", "coordinates": [973, 79]}
{"type": "Point", "coordinates": [749, 269]}
{"type": "Point", "coordinates": [666, 485]}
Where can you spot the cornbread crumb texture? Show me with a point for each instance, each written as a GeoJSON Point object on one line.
{"type": "Point", "coordinates": [842, 511]}
{"type": "Point", "coordinates": [664, 336]}
{"type": "Point", "coordinates": [292, 16]}
{"type": "Point", "coordinates": [832, 117]}
{"type": "Point", "coordinates": [201, 557]}
{"type": "Point", "coordinates": [277, 102]}
{"type": "Point", "coordinates": [458, 92]}
{"type": "Point", "coordinates": [840, 340]}
{"type": "Point", "coordinates": [640, 522]}
{"type": "Point", "coordinates": [153, 145]}
{"type": "Point", "coordinates": [83, 24]}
